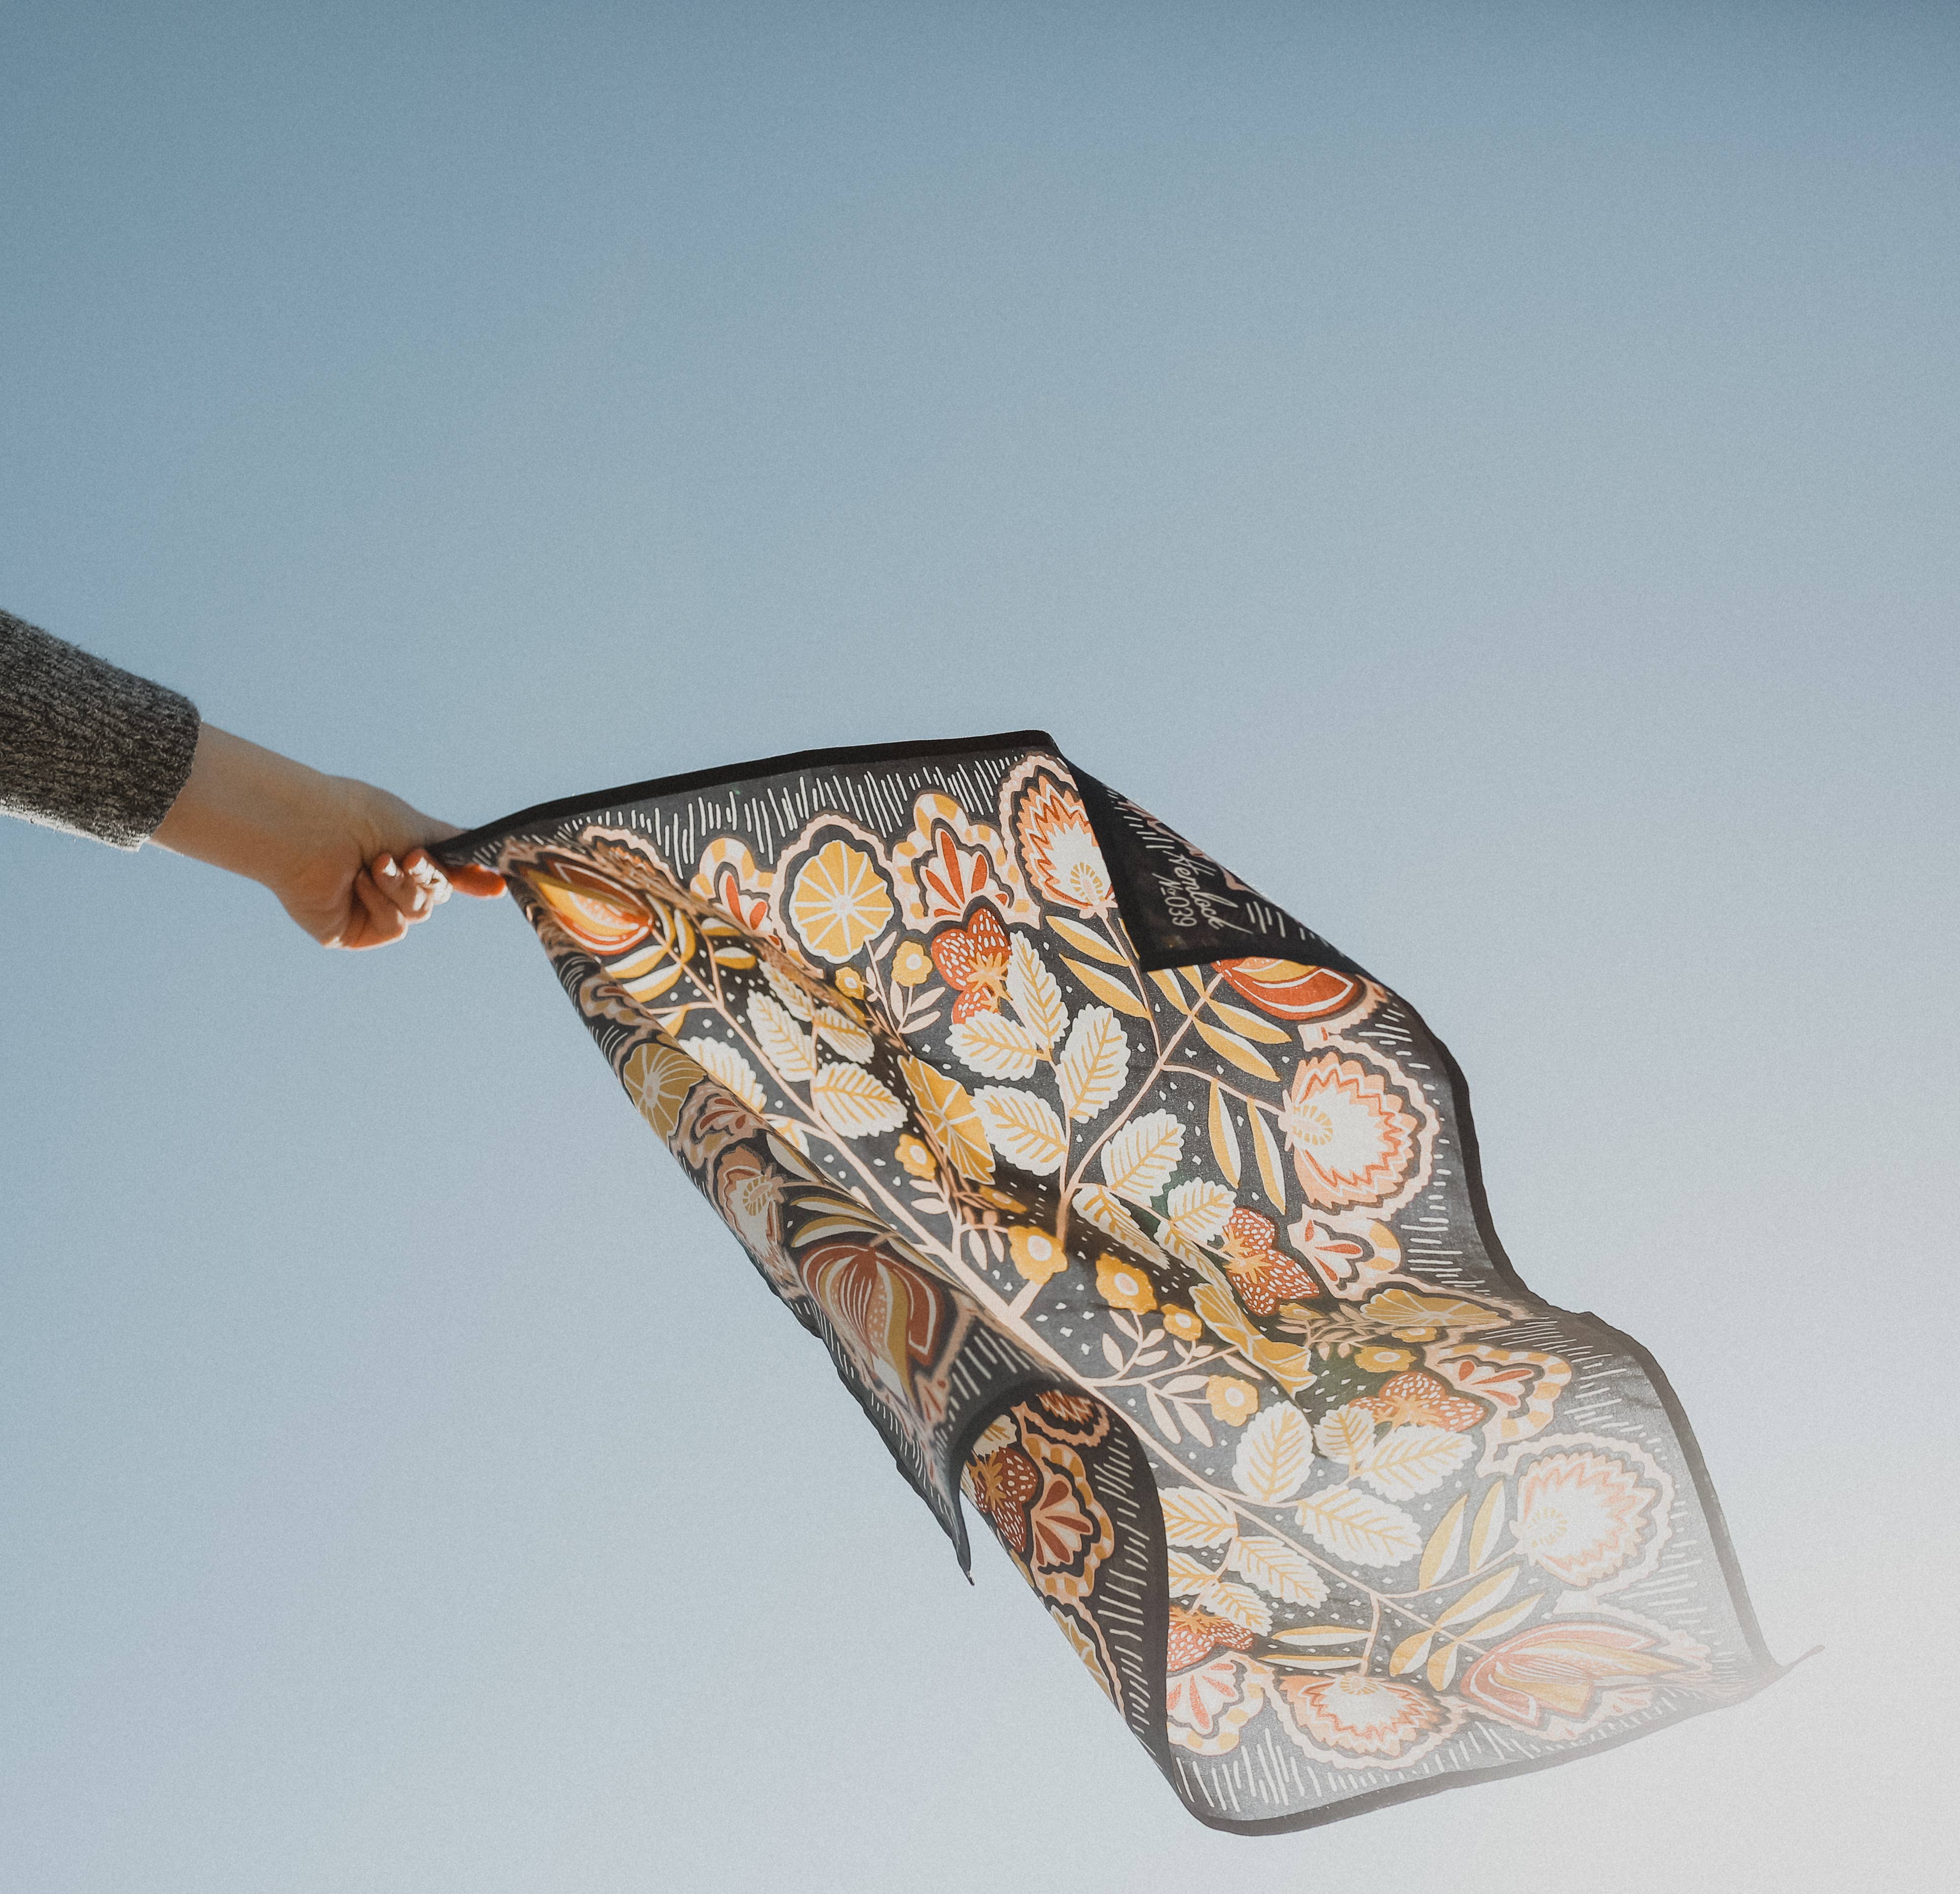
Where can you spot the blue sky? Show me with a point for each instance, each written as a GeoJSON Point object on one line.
{"type": "Point", "coordinates": [1489, 478]}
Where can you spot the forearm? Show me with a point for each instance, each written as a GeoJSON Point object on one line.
{"type": "Point", "coordinates": [252, 810]}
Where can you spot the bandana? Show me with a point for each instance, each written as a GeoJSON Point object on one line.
{"type": "Point", "coordinates": [1130, 1207]}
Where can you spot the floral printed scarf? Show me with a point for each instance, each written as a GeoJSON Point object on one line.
{"type": "Point", "coordinates": [1127, 1204]}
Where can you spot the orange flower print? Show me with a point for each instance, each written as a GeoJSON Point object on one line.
{"type": "Point", "coordinates": [838, 902]}
{"type": "Point", "coordinates": [911, 965]}
{"type": "Point", "coordinates": [1060, 1526]}
{"type": "Point", "coordinates": [1231, 1399]}
{"type": "Point", "coordinates": [950, 878]}
{"type": "Point", "coordinates": [1264, 1276]}
{"type": "Point", "coordinates": [1352, 1140]}
{"type": "Point", "coordinates": [1123, 1285]}
{"type": "Point", "coordinates": [1363, 1716]}
{"type": "Point", "coordinates": [1036, 1255]}
{"type": "Point", "coordinates": [1195, 1634]}
{"type": "Point", "coordinates": [1581, 1516]}
{"type": "Point", "coordinates": [1421, 1397]}
{"type": "Point", "coordinates": [1003, 1482]}
{"type": "Point", "coordinates": [1289, 990]}
{"type": "Point", "coordinates": [597, 911]}
{"type": "Point", "coordinates": [973, 961]}
{"type": "Point", "coordinates": [1060, 849]}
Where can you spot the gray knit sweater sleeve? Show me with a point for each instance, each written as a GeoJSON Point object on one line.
{"type": "Point", "coordinates": [85, 746]}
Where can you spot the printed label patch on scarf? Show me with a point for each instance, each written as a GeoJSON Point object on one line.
{"type": "Point", "coordinates": [1180, 907]}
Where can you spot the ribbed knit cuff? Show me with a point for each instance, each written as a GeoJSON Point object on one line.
{"type": "Point", "coordinates": [85, 746]}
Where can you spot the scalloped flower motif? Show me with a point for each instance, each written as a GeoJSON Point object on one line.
{"type": "Point", "coordinates": [838, 902]}
{"type": "Point", "coordinates": [1581, 1516]}
{"type": "Point", "coordinates": [1378, 1717]}
{"type": "Point", "coordinates": [1354, 1141]}
{"type": "Point", "coordinates": [1059, 849]}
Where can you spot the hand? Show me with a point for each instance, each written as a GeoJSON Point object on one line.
{"type": "Point", "coordinates": [347, 861]}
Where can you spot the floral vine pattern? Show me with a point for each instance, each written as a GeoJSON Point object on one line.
{"type": "Point", "coordinates": [1177, 1271]}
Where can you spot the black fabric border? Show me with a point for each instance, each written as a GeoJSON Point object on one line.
{"type": "Point", "coordinates": [459, 848]}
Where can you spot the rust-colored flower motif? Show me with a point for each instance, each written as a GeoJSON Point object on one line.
{"type": "Point", "coordinates": [911, 965]}
{"type": "Point", "coordinates": [1036, 1255]}
{"type": "Point", "coordinates": [950, 878]}
{"type": "Point", "coordinates": [1002, 1483]}
{"type": "Point", "coordinates": [1060, 851]}
{"type": "Point", "coordinates": [1264, 1274]}
{"type": "Point", "coordinates": [1195, 1634]}
{"type": "Point", "coordinates": [1231, 1399]}
{"type": "Point", "coordinates": [838, 902]}
{"type": "Point", "coordinates": [1353, 1140]}
{"type": "Point", "coordinates": [1362, 1715]}
{"type": "Point", "coordinates": [1181, 1321]}
{"type": "Point", "coordinates": [1559, 1680]}
{"type": "Point", "coordinates": [1415, 1397]}
{"type": "Point", "coordinates": [973, 961]}
{"type": "Point", "coordinates": [1289, 990]}
{"type": "Point", "coordinates": [1123, 1285]}
{"type": "Point", "coordinates": [1581, 1516]}
{"type": "Point", "coordinates": [597, 911]}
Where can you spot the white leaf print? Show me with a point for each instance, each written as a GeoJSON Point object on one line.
{"type": "Point", "coordinates": [784, 1044]}
{"type": "Point", "coordinates": [720, 1059]}
{"type": "Point", "coordinates": [1275, 1566]}
{"type": "Point", "coordinates": [1197, 1212]}
{"type": "Point", "coordinates": [1022, 1128]}
{"type": "Point", "coordinates": [1275, 1452]}
{"type": "Point", "coordinates": [994, 1046]}
{"type": "Point", "coordinates": [1139, 1160]}
{"type": "Point", "coordinates": [1094, 1205]}
{"type": "Point", "coordinates": [1356, 1526]}
{"type": "Point", "coordinates": [1194, 1517]}
{"type": "Point", "coordinates": [1036, 996]}
{"type": "Point", "coordinates": [1346, 1434]}
{"type": "Point", "coordinates": [1188, 1574]}
{"type": "Point", "coordinates": [1091, 1069]}
{"type": "Point", "coordinates": [792, 996]}
{"type": "Point", "coordinates": [1224, 1599]}
{"type": "Point", "coordinates": [1415, 1459]}
{"type": "Point", "coordinates": [843, 1034]}
{"type": "Point", "coordinates": [851, 1101]}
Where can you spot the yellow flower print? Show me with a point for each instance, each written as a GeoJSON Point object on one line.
{"type": "Point", "coordinates": [1123, 1285]}
{"type": "Point", "coordinates": [911, 965]}
{"type": "Point", "coordinates": [999, 1199]}
{"type": "Point", "coordinates": [916, 1157]}
{"type": "Point", "coordinates": [1037, 1256]}
{"type": "Point", "coordinates": [1231, 1399]}
{"type": "Point", "coordinates": [1383, 1360]}
{"type": "Point", "coordinates": [1182, 1322]}
{"type": "Point", "coordinates": [848, 981]}
{"type": "Point", "coordinates": [838, 902]}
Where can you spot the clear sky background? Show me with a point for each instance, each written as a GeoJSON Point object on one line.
{"type": "Point", "coordinates": [1488, 474]}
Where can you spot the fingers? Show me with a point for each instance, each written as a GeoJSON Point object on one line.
{"type": "Point", "coordinates": [386, 922]}
{"type": "Point", "coordinates": [482, 883]}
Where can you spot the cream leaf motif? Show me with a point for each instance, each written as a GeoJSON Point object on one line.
{"type": "Point", "coordinates": [1138, 1161]}
{"type": "Point", "coordinates": [994, 1046]}
{"type": "Point", "coordinates": [854, 1103]}
{"type": "Point", "coordinates": [1022, 1128]}
{"type": "Point", "coordinates": [1035, 995]}
{"type": "Point", "coordinates": [1275, 1454]}
{"type": "Point", "coordinates": [1358, 1527]}
{"type": "Point", "coordinates": [784, 1044]}
{"type": "Point", "coordinates": [1093, 1063]}
{"type": "Point", "coordinates": [721, 1061]}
